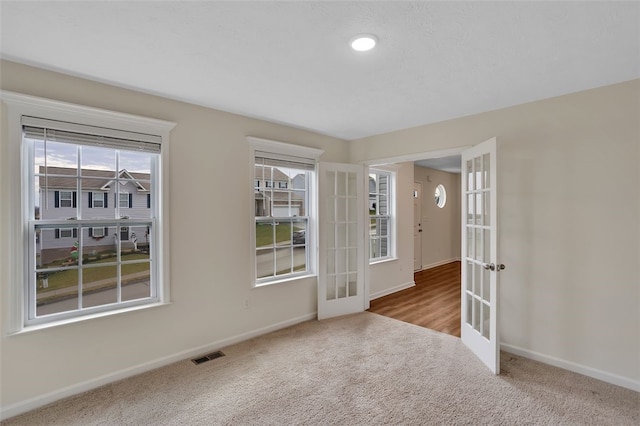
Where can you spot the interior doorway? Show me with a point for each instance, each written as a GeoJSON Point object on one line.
{"type": "Point", "coordinates": [435, 300]}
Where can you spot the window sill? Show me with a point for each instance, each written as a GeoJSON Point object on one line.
{"type": "Point", "coordinates": [52, 324]}
{"type": "Point", "coordinates": [384, 260]}
{"type": "Point", "coordinates": [284, 280]}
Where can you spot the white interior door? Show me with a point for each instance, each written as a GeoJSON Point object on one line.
{"type": "Point", "coordinates": [342, 254]}
{"type": "Point", "coordinates": [417, 226]}
{"type": "Point", "coordinates": [480, 265]}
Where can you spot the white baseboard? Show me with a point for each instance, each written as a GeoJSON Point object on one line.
{"type": "Point", "coordinates": [572, 366]}
{"type": "Point", "coordinates": [391, 290]}
{"type": "Point", "coordinates": [440, 263]}
{"type": "Point", "coordinates": [39, 401]}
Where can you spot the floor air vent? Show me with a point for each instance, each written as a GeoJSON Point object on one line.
{"type": "Point", "coordinates": [207, 357]}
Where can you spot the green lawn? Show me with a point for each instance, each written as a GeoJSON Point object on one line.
{"type": "Point", "coordinates": [63, 279]}
{"type": "Point", "coordinates": [264, 233]}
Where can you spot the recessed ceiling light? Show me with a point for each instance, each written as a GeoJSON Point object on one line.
{"type": "Point", "coordinates": [363, 42]}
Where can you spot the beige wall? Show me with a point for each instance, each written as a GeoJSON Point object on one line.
{"type": "Point", "coordinates": [440, 226]}
{"type": "Point", "coordinates": [569, 204]}
{"type": "Point", "coordinates": [210, 262]}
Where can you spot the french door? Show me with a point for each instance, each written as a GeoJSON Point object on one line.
{"type": "Point", "coordinates": [480, 265]}
{"type": "Point", "coordinates": [342, 254]}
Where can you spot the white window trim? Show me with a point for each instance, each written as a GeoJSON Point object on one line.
{"type": "Point", "coordinates": [393, 173]}
{"type": "Point", "coordinates": [13, 242]}
{"type": "Point", "coordinates": [65, 230]}
{"type": "Point", "coordinates": [282, 148]}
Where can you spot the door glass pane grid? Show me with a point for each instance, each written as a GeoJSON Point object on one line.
{"type": "Point", "coordinates": [478, 245]}
{"type": "Point", "coordinates": [478, 314]}
{"type": "Point", "coordinates": [341, 265]}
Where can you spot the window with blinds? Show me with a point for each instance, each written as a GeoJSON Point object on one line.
{"type": "Point", "coordinates": [380, 215]}
{"type": "Point", "coordinates": [283, 212]}
{"type": "Point", "coordinates": [92, 219]}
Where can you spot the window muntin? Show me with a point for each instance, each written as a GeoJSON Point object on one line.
{"type": "Point", "coordinates": [380, 215]}
{"type": "Point", "coordinates": [74, 250]}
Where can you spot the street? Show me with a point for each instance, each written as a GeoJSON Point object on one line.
{"type": "Point", "coordinates": [129, 292]}
{"type": "Point", "coordinates": [265, 266]}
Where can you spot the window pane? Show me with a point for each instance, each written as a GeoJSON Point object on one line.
{"type": "Point", "coordinates": [135, 162]}
{"type": "Point", "coordinates": [99, 285]}
{"type": "Point", "coordinates": [341, 285]}
{"type": "Point", "coordinates": [97, 160]}
{"type": "Point", "coordinates": [283, 233]}
{"type": "Point", "coordinates": [284, 261]}
{"type": "Point", "coordinates": [98, 244]}
{"type": "Point", "coordinates": [60, 158]}
{"type": "Point", "coordinates": [341, 183]}
{"type": "Point", "coordinates": [56, 291]}
{"type": "Point", "coordinates": [486, 323]}
{"type": "Point", "coordinates": [139, 242]}
{"type": "Point", "coordinates": [299, 233]}
{"type": "Point", "coordinates": [265, 263]}
{"type": "Point", "coordinates": [135, 277]}
{"type": "Point", "coordinates": [264, 234]}
{"type": "Point", "coordinates": [331, 287]}
{"type": "Point", "coordinates": [331, 261]}
{"type": "Point", "coordinates": [353, 285]}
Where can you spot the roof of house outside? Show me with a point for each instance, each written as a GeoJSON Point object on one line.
{"type": "Point", "coordinates": [278, 175]}
{"type": "Point", "coordinates": [93, 180]}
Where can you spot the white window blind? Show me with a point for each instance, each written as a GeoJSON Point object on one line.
{"type": "Point", "coordinates": [60, 131]}
{"type": "Point", "coordinates": [276, 160]}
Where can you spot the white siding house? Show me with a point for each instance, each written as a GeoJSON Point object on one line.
{"type": "Point", "coordinates": [276, 194]}
{"type": "Point", "coordinates": [95, 194]}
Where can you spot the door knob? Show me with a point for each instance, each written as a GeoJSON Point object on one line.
{"type": "Point", "coordinates": [489, 266]}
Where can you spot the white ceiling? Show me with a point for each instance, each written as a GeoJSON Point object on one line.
{"type": "Point", "coordinates": [452, 164]}
{"type": "Point", "coordinates": [289, 62]}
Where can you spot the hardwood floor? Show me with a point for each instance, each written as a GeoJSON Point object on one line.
{"type": "Point", "coordinates": [433, 303]}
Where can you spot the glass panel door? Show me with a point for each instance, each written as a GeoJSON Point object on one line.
{"type": "Point", "coordinates": [479, 253]}
{"type": "Point", "coordinates": [342, 254]}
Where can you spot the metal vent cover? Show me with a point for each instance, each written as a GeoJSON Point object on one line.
{"type": "Point", "coordinates": [208, 357]}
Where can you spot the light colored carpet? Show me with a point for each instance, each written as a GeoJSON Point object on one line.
{"type": "Point", "coordinates": [359, 369]}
